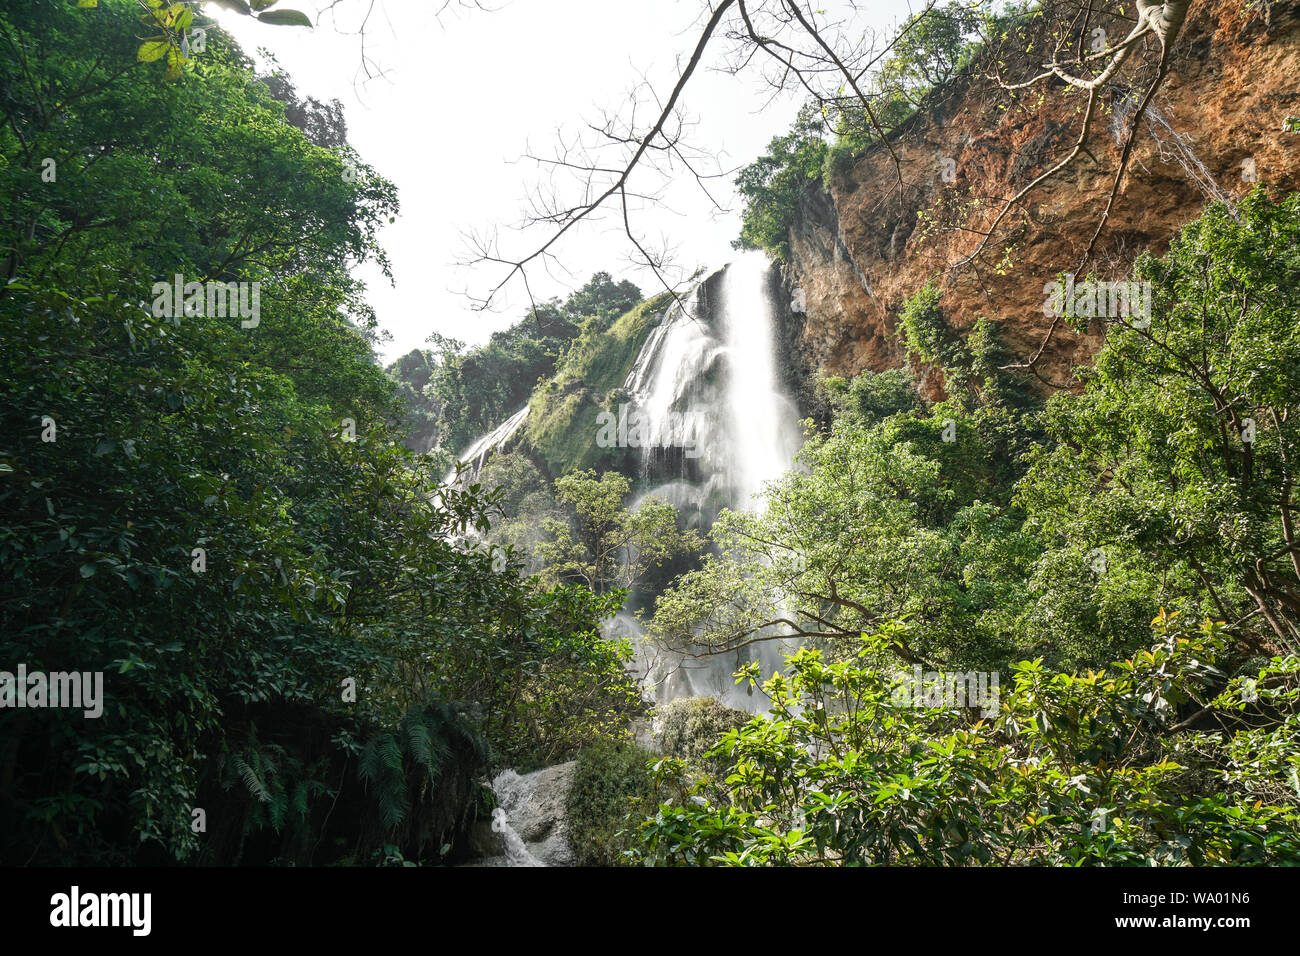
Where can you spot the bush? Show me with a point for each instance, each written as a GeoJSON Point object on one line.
{"type": "Point", "coordinates": [871, 397]}
{"type": "Point", "coordinates": [1099, 768]}
{"type": "Point", "coordinates": [610, 781]}
{"type": "Point", "coordinates": [692, 726]}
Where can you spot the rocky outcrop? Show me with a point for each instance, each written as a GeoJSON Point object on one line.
{"type": "Point", "coordinates": [1218, 123]}
{"type": "Point", "coordinates": [530, 826]}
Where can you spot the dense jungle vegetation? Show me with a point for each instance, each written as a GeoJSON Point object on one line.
{"type": "Point", "coordinates": [223, 519]}
{"type": "Point", "coordinates": [316, 649]}
{"type": "Point", "coordinates": [1123, 557]}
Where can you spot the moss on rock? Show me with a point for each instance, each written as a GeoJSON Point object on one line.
{"type": "Point", "coordinates": [562, 416]}
{"type": "Point", "coordinates": [692, 726]}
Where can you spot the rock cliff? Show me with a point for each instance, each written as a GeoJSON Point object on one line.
{"type": "Point", "coordinates": [1219, 123]}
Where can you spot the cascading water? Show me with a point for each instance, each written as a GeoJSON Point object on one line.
{"type": "Point", "coordinates": [713, 424]}
{"type": "Point", "coordinates": [510, 791]}
{"type": "Point", "coordinates": [476, 455]}
{"type": "Point", "coordinates": [708, 397]}
{"type": "Point", "coordinates": [763, 418]}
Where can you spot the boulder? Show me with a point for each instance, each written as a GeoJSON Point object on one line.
{"type": "Point", "coordinates": [534, 811]}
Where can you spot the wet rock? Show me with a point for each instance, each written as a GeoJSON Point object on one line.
{"type": "Point", "coordinates": [534, 812]}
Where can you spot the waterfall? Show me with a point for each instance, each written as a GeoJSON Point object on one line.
{"type": "Point", "coordinates": [713, 424]}
{"type": "Point", "coordinates": [763, 418]}
{"type": "Point", "coordinates": [476, 454]}
{"type": "Point", "coordinates": [532, 817]}
{"type": "Point", "coordinates": [511, 791]}
{"type": "Point", "coordinates": [716, 425]}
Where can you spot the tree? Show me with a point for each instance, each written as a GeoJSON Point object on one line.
{"type": "Point", "coordinates": [467, 392]}
{"type": "Point", "coordinates": [854, 767]}
{"type": "Point", "coordinates": [172, 22]}
{"type": "Point", "coordinates": [773, 185]}
{"type": "Point", "coordinates": [1180, 453]}
{"type": "Point", "coordinates": [607, 547]}
{"type": "Point", "coordinates": [879, 521]}
{"type": "Point", "coordinates": [1006, 531]}
{"type": "Point", "coordinates": [322, 123]}
{"type": "Point", "coordinates": [602, 297]}
{"type": "Point", "coordinates": [213, 511]}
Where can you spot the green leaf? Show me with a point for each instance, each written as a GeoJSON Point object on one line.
{"type": "Point", "coordinates": [288, 18]}
{"type": "Point", "coordinates": [174, 63]}
{"type": "Point", "coordinates": [152, 50]}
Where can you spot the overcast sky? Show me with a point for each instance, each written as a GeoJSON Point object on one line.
{"type": "Point", "coordinates": [464, 97]}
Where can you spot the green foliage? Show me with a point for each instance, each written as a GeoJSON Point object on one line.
{"type": "Point", "coordinates": [606, 546]}
{"type": "Point", "coordinates": [932, 48]}
{"type": "Point", "coordinates": [1178, 457]}
{"type": "Point", "coordinates": [413, 373]}
{"type": "Point", "coordinates": [610, 791]}
{"type": "Point", "coordinates": [971, 365]}
{"type": "Point", "coordinates": [131, 437]}
{"type": "Point", "coordinates": [173, 21]}
{"type": "Point", "coordinates": [925, 333]}
{"type": "Point", "coordinates": [543, 680]}
{"type": "Point", "coordinates": [422, 756]}
{"type": "Point", "coordinates": [773, 185]}
{"type": "Point", "coordinates": [870, 396]}
{"type": "Point", "coordinates": [690, 728]}
{"type": "Point", "coordinates": [562, 421]}
{"type": "Point", "coordinates": [882, 520]}
{"type": "Point", "coordinates": [601, 298]}
{"type": "Point", "coordinates": [1095, 768]}
{"type": "Point", "coordinates": [524, 489]}
{"type": "Point", "coordinates": [457, 395]}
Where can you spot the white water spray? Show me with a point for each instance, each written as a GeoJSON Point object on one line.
{"type": "Point", "coordinates": [708, 380]}
{"type": "Point", "coordinates": [715, 425]}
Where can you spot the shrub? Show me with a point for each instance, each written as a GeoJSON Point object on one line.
{"type": "Point", "coordinates": [611, 780]}
{"type": "Point", "coordinates": [1099, 768]}
{"type": "Point", "coordinates": [692, 726]}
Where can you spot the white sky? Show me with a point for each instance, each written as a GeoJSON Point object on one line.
{"type": "Point", "coordinates": [464, 97]}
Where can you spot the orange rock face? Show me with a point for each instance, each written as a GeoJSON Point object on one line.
{"type": "Point", "coordinates": [1218, 126]}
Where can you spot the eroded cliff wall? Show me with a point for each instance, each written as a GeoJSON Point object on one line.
{"type": "Point", "coordinates": [858, 252]}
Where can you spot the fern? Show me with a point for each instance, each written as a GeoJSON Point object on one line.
{"type": "Point", "coordinates": [420, 743]}
{"type": "Point", "coordinates": [381, 768]}
{"type": "Point", "coordinates": [300, 798]}
{"type": "Point", "coordinates": [256, 786]}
